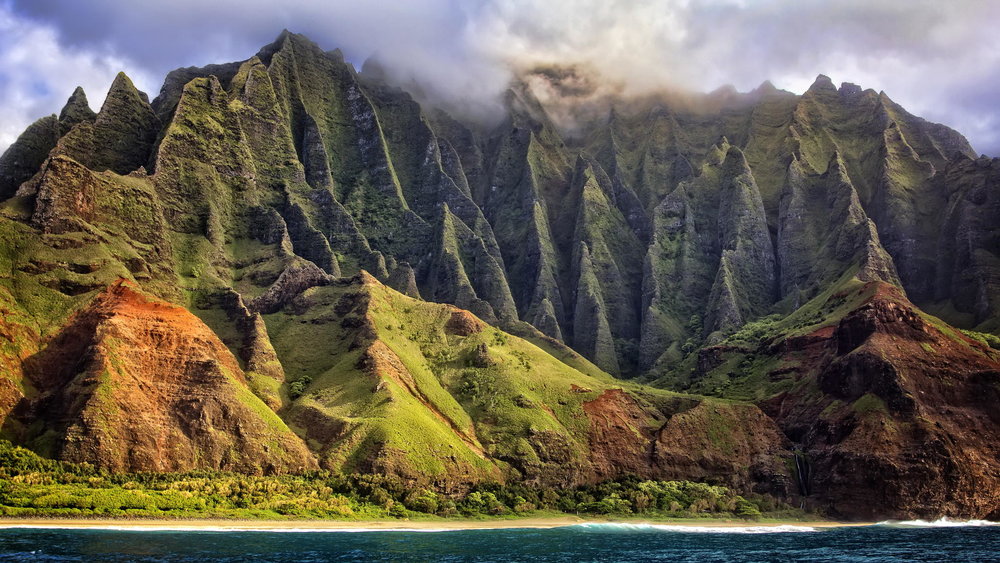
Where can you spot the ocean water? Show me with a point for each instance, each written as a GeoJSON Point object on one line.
{"type": "Point", "coordinates": [913, 541]}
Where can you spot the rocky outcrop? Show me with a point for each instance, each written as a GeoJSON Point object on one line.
{"type": "Point", "coordinates": [404, 280]}
{"type": "Point", "coordinates": [608, 266]}
{"type": "Point", "coordinates": [591, 330]}
{"type": "Point", "coordinates": [744, 286]}
{"type": "Point", "coordinates": [76, 110]}
{"type": "Point", "coordinates": [120, 138]}
{"type": "Point", "coordinates": [711, 266]}
{"type": "Point", "coordinates": [895, 415]}
{"type": "Point", "coordinates": [136, 384]}
{"type": "Point", "coordinates": [465, 273]}
{"type": "Point", "coordinates": [677, 265]}
{"type": "Point", "coordinates": [66, 194]}
{"type": "Point", "coordinates": [824, 232]}
{"type": "Point", "coordinates": [294, 279]}
{"type": "Point", "coordinates": [25, 156]}
{"type": "Point", "coordinates": [736, 445]}
{"type": "Point", "coordinates": [173, 85]}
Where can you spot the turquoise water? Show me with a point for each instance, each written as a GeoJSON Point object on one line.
{"type": "Point", "coordinates": [591, 542]}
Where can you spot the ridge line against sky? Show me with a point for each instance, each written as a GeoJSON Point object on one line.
{"type": "Point", "coordinates": [939, 60]}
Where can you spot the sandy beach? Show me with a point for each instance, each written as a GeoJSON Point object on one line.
{"type": "Point", "coordinates": [383, 525]}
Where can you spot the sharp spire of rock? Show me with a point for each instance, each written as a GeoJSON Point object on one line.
{"type": "Point", "coordinates": [77, 109]}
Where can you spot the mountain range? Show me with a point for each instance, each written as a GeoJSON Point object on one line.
{"type": "Point", "coordinates": [282, 264]}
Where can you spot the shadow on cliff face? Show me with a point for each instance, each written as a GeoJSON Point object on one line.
{"type": "Point", "coordinates": [39, 418]}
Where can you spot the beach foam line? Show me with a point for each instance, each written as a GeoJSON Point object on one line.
{"type": "Point", "coordinates": [623, 526]}
{"type": "Point", "coordinates": [154, 528]}
{"type": "Point", "coordinates": [138, 526]}
{"type": "Point", "coordinates": [944, 522]}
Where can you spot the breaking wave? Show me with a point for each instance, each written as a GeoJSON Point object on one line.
{"type": "Point", "coordinates": [939, 523]}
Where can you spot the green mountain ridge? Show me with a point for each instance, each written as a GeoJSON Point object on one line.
{"type": "Point", "coordinates": [316, 220]}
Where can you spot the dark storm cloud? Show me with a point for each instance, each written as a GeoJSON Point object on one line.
{"type": "Point", "coordinates": [939, 59]}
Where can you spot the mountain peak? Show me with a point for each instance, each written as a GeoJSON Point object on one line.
{"type": "Point", "coordinates": [120, 137]}
{"type": "Point", "coordinates": [373, 69]}
{"type": "Point", "coordinates": [77, 109]}
{"type": "Point", "coordinates": [287, 39]}
{"type": "Point", "coordinates": [724, 91]}
{"type": "Point", "coordinates": [822, 83]}
{"type": "Point", "coordinates": [849, 89]}
{"type": "Point", "coordinates": [766, 87]}
{"type": "Point", "coordinates": [837, 167]}
{"type": "Point", "coordinates": [717, 154]}
{"type": "Point", "coordinates": [735, 162]}
{"type": "Point", "coordinates": [123, 89]}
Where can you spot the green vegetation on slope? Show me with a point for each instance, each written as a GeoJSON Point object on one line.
{"type": "Point", "coordinates": [431, 386]}
{"type": "Point", "coordinates": [32, 486]}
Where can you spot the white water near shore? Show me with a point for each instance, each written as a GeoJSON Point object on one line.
{"type": "Point", "coordinates": [696, 529]}
{"type": "Point", "coordinates": [944, 522]}
{"type": "Point", "coordinates": [314, 527]}
{"type": "Point", "coordinates": [583, 540]}
{"type": "Point", "coordinates": [223, 529]}
{"type": "Point", "coordinates": [717, 527]}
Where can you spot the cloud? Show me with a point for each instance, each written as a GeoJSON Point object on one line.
{"type": "Point", "coordinates": [941, 60]}
{"type": "Point", "coordinates": [37, 74]}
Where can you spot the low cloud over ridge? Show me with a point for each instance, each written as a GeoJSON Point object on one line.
{"type": "Point", "coordinates": [939, 60]}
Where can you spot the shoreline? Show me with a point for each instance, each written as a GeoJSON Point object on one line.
{"type": "Point", "coordinates": [386, 525]}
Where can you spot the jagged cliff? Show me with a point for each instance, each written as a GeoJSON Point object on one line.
{"type": "Point", "coordinates": [686, 240]}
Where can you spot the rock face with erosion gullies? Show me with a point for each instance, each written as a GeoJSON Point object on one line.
{"type": "Point", "coordinates": [891, 410]}
{"type": "Point", "coordinates": [324, 269]}
{"type": "Point", "coordinates": [132, 383]}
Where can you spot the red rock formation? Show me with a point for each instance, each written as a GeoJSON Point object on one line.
{"type": "Point", "coordinates": [136, 384]}
{"type": "Point", "coordinates": [733, 444]}
{"type": "Point", "coordinates": [463, 323]}
{"type": "Point", "coordinates": [901, 419]}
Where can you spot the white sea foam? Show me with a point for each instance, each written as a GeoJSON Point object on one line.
{"type": "Point", "coordinates": [351, 530]}
{"type": "Point", "coordinates": [781, 529]}
{"type": "Point", "coordinates": [944, 522]}
{"type": "Point", "coordinates": [155, 528]}
{"type": "Point", "coordinates": [606, 526]}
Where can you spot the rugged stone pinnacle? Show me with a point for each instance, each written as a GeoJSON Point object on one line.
{"type": "Point", "coordinates": [822, 82]}
{"type": "Point", "coordinates": [77, 109]}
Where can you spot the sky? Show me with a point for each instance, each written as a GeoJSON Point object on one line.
{"type": "Point", "coordinates": [940, 60]}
